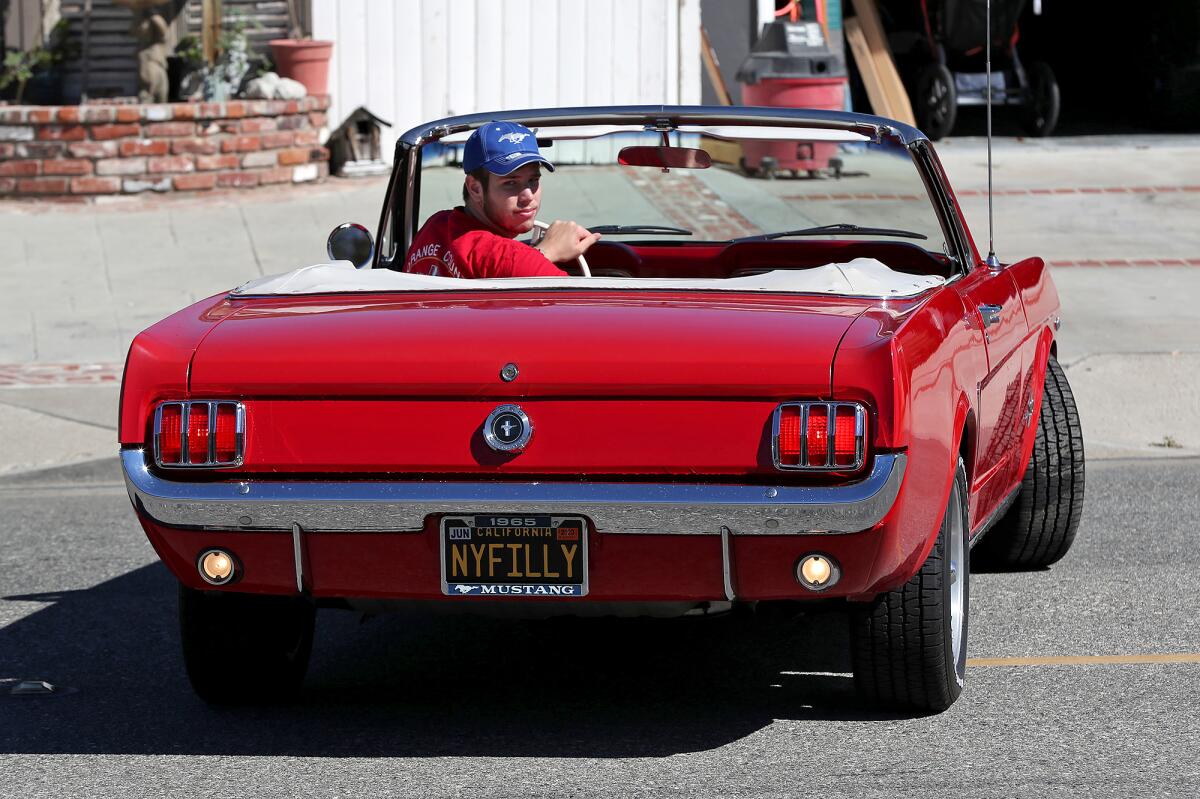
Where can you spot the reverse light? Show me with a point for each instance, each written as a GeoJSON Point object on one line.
{"type": "Point", "coordinates": [818, 572]}
{"type": "Point", "coordinates": [199, 433]}
{"type": "Point", "coordinates": [216, 566]}
{"type": "Point", "coordinates": [820, 436]}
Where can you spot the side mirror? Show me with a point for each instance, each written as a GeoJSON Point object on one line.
{"type": "Point", "coordinates": [351, 242]}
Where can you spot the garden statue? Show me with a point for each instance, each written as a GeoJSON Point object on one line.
{"type": "Point", "coordinates": [151, 34]}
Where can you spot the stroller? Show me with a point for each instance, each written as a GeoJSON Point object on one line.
{"type": "Point", "coordinates": [939, 48]}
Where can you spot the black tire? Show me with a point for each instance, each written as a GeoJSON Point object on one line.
{"type": "Point", "coordinates": [936, 101]}
{"type": "Point", "coordinates": [1040, 526]}
{"type": "Point", "coordinates": [1039, 114]}
{"type": "Point", "coordinates": [907, 652]}
{"type": "Point", "coordinates": [245, 647]}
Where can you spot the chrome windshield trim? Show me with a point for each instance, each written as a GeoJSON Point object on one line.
{"type": "Point", "coordinates": [402, 506]}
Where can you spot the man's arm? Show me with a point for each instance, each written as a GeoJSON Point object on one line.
{"type": "Point", "coordinates": [566, 241]}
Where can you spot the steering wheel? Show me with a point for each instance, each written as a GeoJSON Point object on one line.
{"type": "Point", "coordinates": [539, 232]}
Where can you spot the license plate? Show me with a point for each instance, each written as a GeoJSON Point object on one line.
{"type": "Point", "coordinates": [506, 556]}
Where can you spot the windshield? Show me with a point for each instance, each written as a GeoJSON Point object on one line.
{"type": "Point", "coordinates": [777, 188]}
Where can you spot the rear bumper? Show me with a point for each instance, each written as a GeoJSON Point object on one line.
{"type": "Point", "coordinates": [404, 506]}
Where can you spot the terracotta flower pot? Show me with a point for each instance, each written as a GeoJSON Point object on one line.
{"type": "Point", "coordinates": [305, 60]}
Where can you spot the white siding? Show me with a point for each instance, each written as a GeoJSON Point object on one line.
{"type": "Point", "coordinates": [411, 61]}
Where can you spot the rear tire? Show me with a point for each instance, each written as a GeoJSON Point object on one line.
{"type": "Point", "coordinates": [1040, 526]}
{"type": "Point", "coordinates": [909, 646]}
{"type": "Point", "coordinates": [245, 647]}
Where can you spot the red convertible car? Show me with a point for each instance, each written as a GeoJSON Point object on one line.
{"type": "Point", "coordinates": [749, 391]}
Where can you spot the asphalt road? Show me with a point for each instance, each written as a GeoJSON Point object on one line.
{"type": "Point", "coordinates": [457, 706]}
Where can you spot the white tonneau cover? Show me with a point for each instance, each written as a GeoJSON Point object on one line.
{"type": "Point", "coordinates": [862, 277]}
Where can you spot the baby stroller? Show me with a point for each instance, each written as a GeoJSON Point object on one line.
{"type": "Point", "coordinates": [939, 47]}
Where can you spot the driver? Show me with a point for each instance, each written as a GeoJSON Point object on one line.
{"type": "Point", "coordinates": [501, 195]}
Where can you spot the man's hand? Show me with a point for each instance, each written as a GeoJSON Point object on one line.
{"type": "Point", "coordinates": [566, 241]}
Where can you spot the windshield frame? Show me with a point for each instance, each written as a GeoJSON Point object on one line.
{"type": "Point", "coordinates": [399, 218]}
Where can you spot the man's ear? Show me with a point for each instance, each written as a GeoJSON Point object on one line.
{"type": "Point", "coordinates": [474, 188]}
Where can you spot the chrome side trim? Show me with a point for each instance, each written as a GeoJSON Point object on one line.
{"type": "Point", "coordinates": [402, 506]}
{"type": "Point", "coordinates": [296, 554]}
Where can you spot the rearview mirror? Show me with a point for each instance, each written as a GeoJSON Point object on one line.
{"type": "Point", "coordinates": [351, 242]}
{"type": "Point", "coordinates": [665, 157]}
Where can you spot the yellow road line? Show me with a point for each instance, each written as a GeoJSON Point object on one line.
{"type": "Point", "coordinates": [1086, 660]}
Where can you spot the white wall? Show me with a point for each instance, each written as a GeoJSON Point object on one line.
{"type": "Point", "coordinates": [412, 61]}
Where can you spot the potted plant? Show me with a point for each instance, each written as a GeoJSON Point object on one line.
{"type": "Point", "coordinates": [302, 59]}
{"type": "Point", "coordinates": [35, 76]}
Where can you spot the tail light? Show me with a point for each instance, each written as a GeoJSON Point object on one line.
{"type": "Point", "coordinates": [828, 436]}
{"type": "Point", "coordinates": [200, 433]}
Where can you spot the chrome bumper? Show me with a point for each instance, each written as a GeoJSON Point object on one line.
{"type": "Point", "coordinates": [402, 506]}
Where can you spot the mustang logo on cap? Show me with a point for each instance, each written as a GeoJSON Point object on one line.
{"type": "Point", "coordinates": [515, 138]}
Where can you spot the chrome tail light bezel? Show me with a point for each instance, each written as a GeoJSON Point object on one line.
{"type": "Point", "coordinates": [829, 464]}
{"type": "Point", "coordinates": [210, 461]}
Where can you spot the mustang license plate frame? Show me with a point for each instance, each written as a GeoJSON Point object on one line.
{"type": "Point", "coordinates": [513, 555]}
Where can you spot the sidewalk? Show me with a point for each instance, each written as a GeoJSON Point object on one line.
{"type": "Point", "coordinates": [78, 282]}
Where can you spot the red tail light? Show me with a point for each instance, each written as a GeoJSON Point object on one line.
{"type": "Point", "coordinates": [169, 435]}
{"type": "Point", "coordinates": [200, 433]}
{"type": "Point", "coordinates": [829, 436]}
{"type": "Point", "coordinates": [227, 432]}
{"type": "Point", "coordinates": [789, 435]}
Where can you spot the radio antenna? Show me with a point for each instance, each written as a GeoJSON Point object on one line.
{"type": "Point", "coordinates": [992, 261]}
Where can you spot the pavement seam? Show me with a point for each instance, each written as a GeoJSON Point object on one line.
{"type": "Point", "coordinates": [111, 428]}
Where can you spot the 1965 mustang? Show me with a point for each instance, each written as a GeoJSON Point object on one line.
{"type": "Point", "coordinates": [751, 390]}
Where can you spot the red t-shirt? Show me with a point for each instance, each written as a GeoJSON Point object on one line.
{"type": "Point", "coordinates": [456, 244]}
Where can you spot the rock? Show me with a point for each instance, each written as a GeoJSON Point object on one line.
{"type": "Point", "coordinates": [289, 89]}
{"type": "Point", "coordinates": [262, 87]}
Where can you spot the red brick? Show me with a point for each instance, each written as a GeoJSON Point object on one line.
{"type": "Point", "coordinates": [145, 147]}
{"type": "Point", "coordinates": [42, 186]}
{"type": "Point", "coordinates": [103, 132]}
{"type": "Point", "coordinates": [280, 174]}
{"type": "Point", "coordinates": [20, 169]}
{"type": "Point", "coordinates": [95, 185]}
{"type": "Point", "coordinates": [69, 113]}
{"type": "Point", "coordinates": [235, 109]}
{"type": "Point", "coordinates": [8, 185]}
{"type": "Point", "coordinates": [62, 133]}
{"type": "Point", "coordinates": [206, 163]}
{"type": "Point", "coordinates": [129, 113]}
{"type": "Point", "coordinates": [172, 163]}
{"type": "Point", "coordinates": [306, 138]}
{"type": "Point", "coordinates": [93, 149]}
{"type": "Point", "coordinates": [282, 138]}
{"type": "Point", "coordinates": [194, 146]}
{"type": "Point", "coordinates": [183, 111]}
{"type": "Point", "coordinates": [210, 111]}
{"type": "Point", "coordinates": [121, 166]}
{"type": "Point", "coordinates": [237, 180]}
{"type": "Point", "coordinates": [241, 144]}
{"type": "Point", "coordinates": [228, 126]}
{"type": "Point", "coordinates": [170, 129]}
{"type": "Point", "coordinates": [204, 180]}
{"type": "Point", "coordinates": [317, 119]}
{"type": "Point", "coordinates": [299, 155]}
{"type": "Point", "coordinates": [41, 115]}
{"type": "Point", "coordinates": [7, 150]}
{"type": "Point", "coordinates": [257, 124]}
{"type": "Point", "coordinates": [12, 116]}
{"type": "Point", "coordinates": [67, 166]}
{"type": "Point", "coordinates": [292, 123]}
{"type": "Point", "coordinates": [291, 107]}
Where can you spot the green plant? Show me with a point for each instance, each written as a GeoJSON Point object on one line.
{"type": "Point", "coordinates": [20, 67]}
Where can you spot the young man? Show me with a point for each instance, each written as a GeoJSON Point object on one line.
{"type": "Point", "coordinates": [502, 192]}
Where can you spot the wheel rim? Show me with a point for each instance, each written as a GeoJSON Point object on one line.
{"type": "Point", "coordinates": [937, 100]}
{"type": "Point", "coordinates": [958, 581]}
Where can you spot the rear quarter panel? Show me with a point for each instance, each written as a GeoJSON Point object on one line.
{"type": "Point", "coordinates": [919, 371]}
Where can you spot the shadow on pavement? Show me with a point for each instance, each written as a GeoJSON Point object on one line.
{"type": "Point", "coordinates": [401, 686]}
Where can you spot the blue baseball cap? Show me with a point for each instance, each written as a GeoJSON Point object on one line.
{"type": "Point", "coordinates": [502, 147]}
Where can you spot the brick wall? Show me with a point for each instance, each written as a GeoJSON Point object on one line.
{"type": "Point", "coordinates": [90, 150]}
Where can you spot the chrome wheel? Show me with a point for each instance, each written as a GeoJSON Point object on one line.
{"type": "Point", "coordinates": [959, 574]}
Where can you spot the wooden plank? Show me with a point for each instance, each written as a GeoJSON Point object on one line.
{"type": "Point", "coordinates": [722, 151]}
{"type": "Point", "coordinates": [713, 68]}
{"type": "Point", "coordinates": [880, 104]}
{"type": "Point", "coordinates": [880, 53]}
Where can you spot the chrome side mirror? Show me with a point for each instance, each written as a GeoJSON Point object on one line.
{"type": "Point", "coordinates": [351, 242]}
